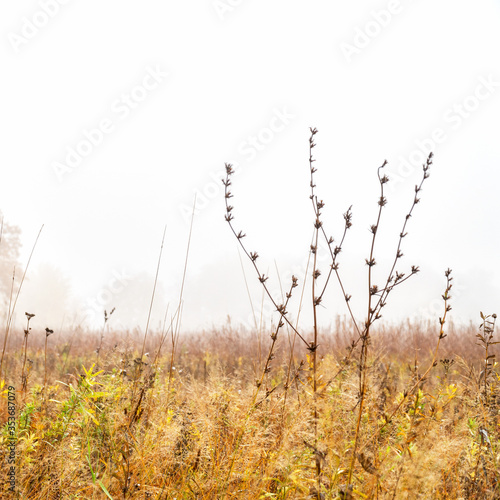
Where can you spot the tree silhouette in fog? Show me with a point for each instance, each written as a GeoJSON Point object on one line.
{"type": "Point", "coordinates": [10, 247]}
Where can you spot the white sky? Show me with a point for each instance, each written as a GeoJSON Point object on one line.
{"type": "Point", "coordinates": [179, 87]}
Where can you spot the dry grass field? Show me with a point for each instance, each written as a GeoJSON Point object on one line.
{"type": "Point", "coordinates": [206, 429]}
{"type": "Point", "coordinates": [361, 410]}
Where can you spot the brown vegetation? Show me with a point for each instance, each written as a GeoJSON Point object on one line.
{"type": "Point", "coordinates": [359, 410]}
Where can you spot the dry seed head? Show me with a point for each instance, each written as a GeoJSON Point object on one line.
{"type": "Point", "coordinates": [348, 217]}
{"type": "Point", "coordinates": [281, 309]}
{"type": "Point", "coordinates": [382, 201]}
{"type": "Point", "coordinates": [312, 346]}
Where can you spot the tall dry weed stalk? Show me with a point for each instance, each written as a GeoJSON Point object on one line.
{"type": "Point", "coordinates": [377, 295]}
{"type": "Point", "coordinates": [107, 316]}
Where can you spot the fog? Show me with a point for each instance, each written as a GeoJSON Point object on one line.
{"type": "Point", "coordinates": [117, 115]}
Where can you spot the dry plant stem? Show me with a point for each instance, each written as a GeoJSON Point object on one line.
{"type": "Point", "coordinates": [176, 332]}
{"type": "Point", "coordinates": [139, 364]}
{"type": "Point", "coordinates": [274, 336]}
{"type": "Point", "coordinates": [485, 341]}
{"type": "Point", "coordinates": [154, 366]}
{"type": "Point", "coordinates": [163, 338]}
{"type": "Point", "coordinates": [334, 266]}
{"type": "Point", "coordinates": [247, 289]}
{"type": "Point", "coordinates": [11, 295]}
{"type": "Point", "coordinates": [317, 206]}
{"type": "Point", "coordinates": [24, 378]}
{"type": "Point", "coordinates": [11, 311]}
{"type": "Point", "coordinates": [106, 318]}
{"type": "Point", "coordinates": [45, 370]}
{"type": "Point", "coordinates": [251, 255]}
{"type": "Point", "coordinates": [365, 338]}
{"type": "Point", "coordinates": [393, 279]}
{"type": "Point", "coordinates": [315, 302]}
{"type": "Point", "coordinates": [133, 414]}
{"type": "Point", "coordinates": [292, 345]}
{"type": "Point", "coordinates": [153, 294]}
{"type": "Point", "coordinates": [446, 297]}
{"type": "Point", "coordinates": [261, 328]}
{"type": "Point", "coordinates": [421, 379]}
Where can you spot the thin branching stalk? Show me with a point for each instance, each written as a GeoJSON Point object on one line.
{"type": "Point", "coordinates": [365, 338]}
{"type": "Point", "coordinates": [315, 303]}
{"type": "Point", "coordinates": [12, 310]}
{"type": "Point", "coordinates": [419, 380]}
{"type": "Point", "coordinates": [253, 256]}
{"type": "Point", "coordinates": [394, 278]}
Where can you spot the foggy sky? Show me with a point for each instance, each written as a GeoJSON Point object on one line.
{"type": "Point", "coordinates": [116, 114]}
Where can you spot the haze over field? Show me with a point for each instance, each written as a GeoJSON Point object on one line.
{"type": "Point", "coordinates": [115, 115]}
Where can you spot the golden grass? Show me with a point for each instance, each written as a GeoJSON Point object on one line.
{"type": "Point", "coordinates": [210, 437]}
